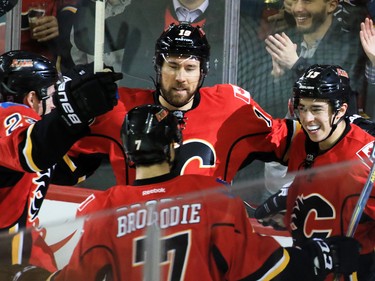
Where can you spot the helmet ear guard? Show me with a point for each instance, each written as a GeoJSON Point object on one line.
{"type": "Point", "coordinates": [182, 40]}
{"type": "Point", "coordinates": [147, 133]}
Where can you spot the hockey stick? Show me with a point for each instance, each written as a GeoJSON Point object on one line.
{"type": "Point", "coordinates": [363, 198]}
{"type": "Point", "coordinates": [99, 35]}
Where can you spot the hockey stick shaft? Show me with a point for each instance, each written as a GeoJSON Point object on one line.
{"type": "Point", "coordinates": [99, 35]}
{"type": "Point", "coordinates": [363, 198]}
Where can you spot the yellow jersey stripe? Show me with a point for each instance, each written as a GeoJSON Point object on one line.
{"type": "Point", "coordinates": [17, 245]}
{"type": "Point", "coordinates": [70, 163]}
{"type": "Point", "coordinates": [70, 9]}
{"type": "Point", "coordinates": [27, 151]}
{"type": "Point", "coordinates": [279, 267]}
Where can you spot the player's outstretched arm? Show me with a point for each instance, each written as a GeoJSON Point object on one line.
{"type": "Point", "coordinates": [81, 97]}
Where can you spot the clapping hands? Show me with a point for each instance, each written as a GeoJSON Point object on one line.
{"type": "Point", "coordinates": [367, 36]}
{"type": "Point", "coordinates": [283, 53]}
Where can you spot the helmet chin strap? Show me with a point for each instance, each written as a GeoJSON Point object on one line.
{"type": "Point", "coordinates": [312, 148]}
{"type": "Point", "coordinates": [333, 126]}
{"type": "Point", "coordinates": [44, 106]}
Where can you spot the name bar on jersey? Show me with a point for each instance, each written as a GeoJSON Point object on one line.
{"type": "Point", "coordinates": [164, 218]}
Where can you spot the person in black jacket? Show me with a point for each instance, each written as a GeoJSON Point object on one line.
{"type": "Point", "coordinates": [321, 39]}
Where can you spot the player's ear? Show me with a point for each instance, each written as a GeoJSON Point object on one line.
{"type": "Point", "coordinates": [29, 99]}
{"type": "Point", "coordinates": [342, 110]}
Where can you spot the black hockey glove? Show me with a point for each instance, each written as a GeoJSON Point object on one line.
{"type": "Point", "coordinates": [18, 272]}
{"type": "Point", "coordinates": [337, 254]}
{"type": "Point", "coordinates": [84, 95]}
{"type": "Point", "coordinates": [272, 211]}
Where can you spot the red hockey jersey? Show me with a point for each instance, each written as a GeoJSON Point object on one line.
{"type": "Point", "coordinates": [15, 183]}
{"type": "Point", "coordinates": [30, 150]}
{"type": "Point", "coordinates": [320, 204]}
{"type": "Point", "coordinates": [205, 234]}
{"type": "Point", "coordinates": [225, 131]}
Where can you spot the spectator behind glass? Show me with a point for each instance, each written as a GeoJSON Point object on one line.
{"type": "Point", "coordinates": [139, 26]}
{"type": "Point", "coordinates": [52, 30]}
{"type": "Point", "coordinates": [367, 35]}
{"type": "Point", "coordinates": [337, 47]}
{"type": "Point", "coordinates": [322, 39]}
{"type": "Point", "coordinates": [254, 63]}
{"type": "Point", "coordinates": [113, 58]}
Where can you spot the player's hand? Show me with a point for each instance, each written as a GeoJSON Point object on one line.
{"type": "Point", "coordinates": [337, 254]}
{"type": "Point", "coordinates": [84, 95]}
{"type": "Point", "coordinates": [272, 211]}
{"type": "Point", "coordinates": [22, 273]}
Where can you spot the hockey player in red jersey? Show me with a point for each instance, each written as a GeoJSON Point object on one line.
{"type": "Point", "coordinates": [31, 146]}
{"type": "Point", "coordinates": [224, 128]}
{"type": "Point", "coordinates": [204, 230]}
{"type": "Point", "coordinates": [321, 204]}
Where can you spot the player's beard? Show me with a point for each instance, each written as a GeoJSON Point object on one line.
{"type": "Point", "coordinates": [317, 20]}
{"type": "Point", "coordinates": [177, 100]}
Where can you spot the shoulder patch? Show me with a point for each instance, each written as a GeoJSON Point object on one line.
{"type": "Point", "coordinates": [241, 94]}
{"type": "Point", "coordinates": [364, 154]}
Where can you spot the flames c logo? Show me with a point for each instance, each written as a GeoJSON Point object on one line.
{"type": "Point", "coordinates": [312, 217]}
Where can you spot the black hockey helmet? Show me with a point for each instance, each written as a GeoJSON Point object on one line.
{"type": "Point", "coordinates": [22, 71]}
{"type": "Point", "coordinates": [327, 82]}
{"type": "Point", "coordinates": [147, 133]}
{"type": "Point", "coordinates": [183, 40]}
